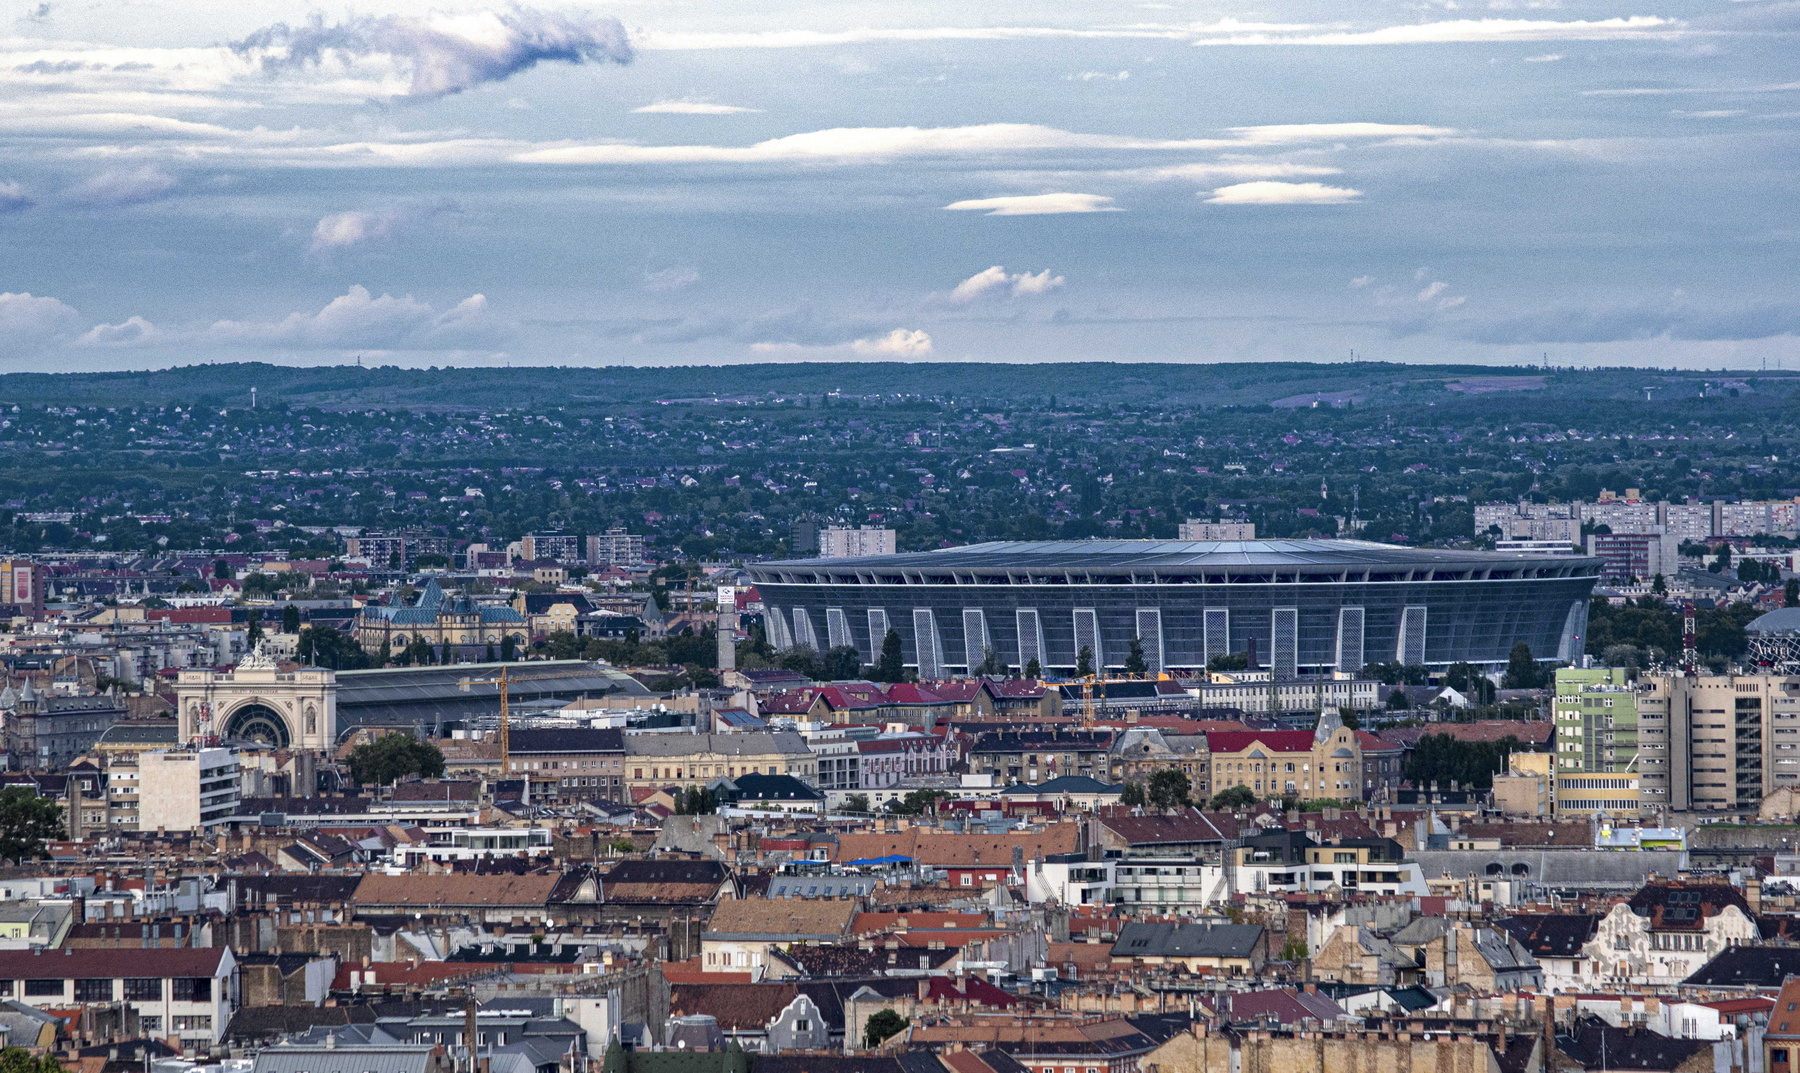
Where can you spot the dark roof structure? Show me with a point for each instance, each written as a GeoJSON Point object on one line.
{"type": "Point", "coordinates": [1108, 556]}
{"type": "Point", "coordinates": [1760, 968]}
{"type": "Point", "coordinates": [1684, 906]}
{"type": "Point", "coordinates": [1597, 1045]}
{"type": "Point", "coordinates": [430, 696]}
{"type": "Point", "coordinates": [1168, 939]}
{"type": "Point", "coordinates": [1556, 935]}
{"type": "Point", "coordinates": [568, 740]}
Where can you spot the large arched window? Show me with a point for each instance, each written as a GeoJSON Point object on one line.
{"type": "Point", "coordinates": [260, 723]}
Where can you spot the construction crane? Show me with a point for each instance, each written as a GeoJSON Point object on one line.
{"type": "Point", "coordinates": [1087, 702]}
{"type": "Point", "coordinates": [505, 727]}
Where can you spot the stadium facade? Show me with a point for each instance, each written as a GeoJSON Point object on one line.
{"type": "Point", "coordinates": [1307, 606]}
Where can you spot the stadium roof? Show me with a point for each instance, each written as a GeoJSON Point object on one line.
{"type": "Point", "coordinates": [1785, 620]}
{"type": "Point", "coordinates": [1179, 553]}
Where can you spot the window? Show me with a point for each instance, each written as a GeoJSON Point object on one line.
{"type": "Point", "coordinates": [803, 1025]}
{"type": "Point", "coordinates": [192, 989]}
{"type": "Point", "coordinates": [94, 990]}
{"type": "Point", "coordinates": [42, 988]}
{"type": "Point", "coordinates": [200, 1022]}
{"type": "Point", "coordinates": [150, 1025]}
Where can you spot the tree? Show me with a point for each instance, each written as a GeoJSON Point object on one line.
{"type": "Point", "coordinates": [1169, 788]}
{"type": "Point", "coordinates": [1134, 658]}
{"type": "Point", "coordinates": [1084, 662]}
{"type": "Point", "coordinates": [856, 803]}
{"type": "Point", "coordinates": [1659, 586]}
{"type": "Point", "coordinates": [509, 649]}
{"type": "Point", "coordinates": [1033, 669]}
{"type": "Point", "coordinates": [392, 757]}
{"type": "Point", "coordinates": [1444, 759]}
{"type": "Point", "coordinates": [222, 570]}
{"type": "Point", "coordinates": [1229, 661]}
{"type": "Point", "coordinates": [890, 667]}
{"type": "Point", "coordinates": [884, 1025]}
{"type": "Point", "coordinates": [1522, 672]}
{"type": "Point", "coordinates": [290, 619]}
{"type": "Point", "coordinates": [1397, 701]}
{"type": "Point", "coordinates": [253, 631]}
{"type": "Point", "coordinates": [27, 821]}
{"type": "Point", "coordinates": [323, 646]}
{"type": "Point", "coordinates": [696, 801]}
{"type": "Point", "coordinates": [20, 1060]}
{"type": "Point", "coordinates": [840, 663]}
{"type": "Point", "coordinates": [1233, 798]}
{"type": "Point", "coordinates": [917, 802]}
{"type": "Point", "coordinates": [1790, 593]}
{"type": "Point", "coordinates": [992, 665]}
{"type": "Point", "coordinates": [1132, 794]}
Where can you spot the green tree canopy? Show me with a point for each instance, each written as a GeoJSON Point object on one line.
{"type": "Point", "coordinates": [27, 821]}
{"type": "Point", "coordinates": [1169, 788]}
{"type": "Point", "coordinates": [1522, 671]}
{"type": "Point", "coordinates": [1132, 794]}
{"type": "Point", "coordinates": [1084, 662]}
{"type": "Point", "coordinates": [1134, 658]}
{"type": "Point", "coordinates": [1233, 798]}
{"type": "Point", "coordinates": [891, 666]}
{"type": "Point", "coordinates": [392, 757]}
{"type": "Point", "coordinates": [1470, 764]}
{"type": "Point", "coordinates": [883, 1025]}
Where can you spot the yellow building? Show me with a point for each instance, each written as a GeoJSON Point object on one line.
{"type": "Point", "coordinates": [655, 760]}
{"type": "Point", "coordinates": [1288, 763]}
{"type": "Point", "coordinates": [441, 621]}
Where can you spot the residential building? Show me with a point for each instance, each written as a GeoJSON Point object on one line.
{"type": "Point", "coordinates": [551, 547]}
{"type": "Point", "coordinates": [184, 993]}
{"type": "Point", "coordinates": [655, 760]}
{"type": "Point", "coordinates": [1666, 931]}
{"type": "Point", "coordinates": [741, 931]}
{"type": "Point", "coordinates": [570, 765]}
{"type": "Point", "coordinates": [187, 789]}
{"type": "Point", "coordinates": [22, 587]}
{"type": "Point", "coordinates": [1631, 556]}
{"type": "Point", "coordinates": [1227, 949]}
{"type": "Point", "coordinates": [456, 624]}
{"type": "Point", "coordinates": [615, 547]}
{"type": "Point", "coordinates": [1596, 720]}
{"type": "Point", "coordinates": [1035, 756]}
{"type": "Point", "coordinates": [48, 733]}
{"type": "Point", "coordinates": [1195, 529]}
{"type": "Point", "coordinates": [1717, 742]}
{"type": "Point", "coordinates": [884, 761]}
{"type": "Point", "coordinates": [1295, 763]}
{"type": "Point", "coordinates": [836, 543]}
{"type": "Point", "coordinates": [1248, 692]}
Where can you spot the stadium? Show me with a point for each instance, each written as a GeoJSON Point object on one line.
{"type": "Point", "coordinates": [1304, 607]}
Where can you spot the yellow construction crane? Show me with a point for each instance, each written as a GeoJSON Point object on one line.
{"type": "Point", "coordinates": [1087, 702]}
{"type": "Point", "coordinates": [505, 727]}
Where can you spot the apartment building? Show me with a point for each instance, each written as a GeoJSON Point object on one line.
{"type": "Point", "coordinates": [571, 764]}
{"type": "Point", "coordinates": [658, 760]}
{"type": "Point", "coordinates": [182, 993]}
{"type": "Point", "coordinates": [1596, 720]}
{"type": "Point", "coordinates": [836, 543]}
{"type": "Point", "coordinates": [615, 547]}
{"type": "Point", "coordinates": [187, 789]}
{"type": "Point", "coordinates": [1717, 742]}
{"type": "Point", "coordinates": [1195, 529]}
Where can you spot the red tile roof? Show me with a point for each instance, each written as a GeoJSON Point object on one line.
{"type": "Point", "coordinates": [141, 961]}
{"type": "Point", "coordinates": [1279, 741]}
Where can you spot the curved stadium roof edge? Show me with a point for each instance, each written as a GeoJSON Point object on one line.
{"type": "Point", "coordinates": [1183, 553]}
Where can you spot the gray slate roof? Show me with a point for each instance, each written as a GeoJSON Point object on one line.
{"type": "Point", "coordinates": [1187, 940]}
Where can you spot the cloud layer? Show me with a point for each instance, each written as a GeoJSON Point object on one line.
{"type": "Point", "coordinates": [445, 53]}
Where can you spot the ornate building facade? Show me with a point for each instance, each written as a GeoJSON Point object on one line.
{"type": "Point", "coordinates": [259, 700]}
{"type": "Point", "coordinates": [466, 628]}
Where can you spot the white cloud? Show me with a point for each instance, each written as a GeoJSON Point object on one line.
{"type": "Point", "coordinates": [13, 198]}
{"type": "Point", "coordinates": [850, 144]}
{"type": "Point", "coordinates": [1465, 31]}
{"type": "Point", "coordinates": [1436, 288]}
{"type": "Point", "coordinates": [358, 319]}
{"type": "Point", "coordinates": [995, 278]}
{"type": "Point", "coordinates": [1036, 204]}
{"type": "Point", "coordinates": [1552, 57]}
{"type": "Point", "coordinates": [123, 186]}
{"type": "Point", "coordinates": [1209, 173]}
{"type": "Point", "coordinates": [344, 230]}
{"type": "Point", "coordinates": [899, 343]}
{"type": "Point", "coordinates": [1362, 281]}
{"type": "Point", "coordinates": [670, 279]}
{"type": "Point", "coordinates": [1100, 76]}
{"type": "Point", "coordinates": [690, 107]}
{"type": "Point", "coordinates": [1042, 283]}
{"type": "Point", "coordinates": [1714, 113]}
{"type": "Point", "coordinates": [132, 331]}
{"type": "Point", "coordinates": [1274, 193]}
{"type": "Point", "coordinates": [443, 53]}
{"type": "Point", "coordinates": [30, 322]}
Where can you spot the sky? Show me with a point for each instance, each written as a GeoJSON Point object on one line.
{"type": "Point", "coordinates": [1582, 182]}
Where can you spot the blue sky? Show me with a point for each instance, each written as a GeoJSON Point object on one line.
{"type": "Point", "coordinates": [667, 183]}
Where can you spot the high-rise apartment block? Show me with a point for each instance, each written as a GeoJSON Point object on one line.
{"type": "Point", "coordinates": [551, 547]}
{"type": "Point", "coordinates": [397, 550]}
{"type": "Point", "coordinates": [1677, 522]}
{"type": "Point", "coordinates": [837, 543]}
{"type": "Point", "coordinates": [186, 789]}
{"type": "Point", "coordinates": [1194, 529]}
{"type": "Point", "coordinates": [1717, 742]}
{"type": "Point", "coordinates": [21, 585]}
{"type": "Point", "coordinates": [1596, 720]}
{"type": "Point", "coordinates": [615, 547]}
